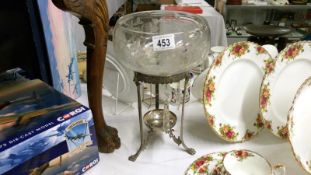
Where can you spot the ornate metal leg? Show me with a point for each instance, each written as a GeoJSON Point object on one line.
{"type": "Point", "coordinates": [142, 141]}
{"type": "Point", "coordinates": [187, 149]}
{"type": "Point", "coordinates": [176, 139]}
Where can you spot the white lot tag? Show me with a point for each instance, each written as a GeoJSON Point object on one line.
{"type": "Point", "coordinates": [163, 42]}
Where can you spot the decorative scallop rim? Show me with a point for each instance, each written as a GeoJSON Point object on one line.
{"type": "Point", "coordinates": [271, 123]}
{"type": "Point", "coordinates": [215, 65]}
{"type": "Point", "coordinates": [306, 84]}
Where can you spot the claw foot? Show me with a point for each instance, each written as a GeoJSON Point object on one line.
{"type": "Point", "coordinates": [190, 151]}
{"type": "Point", "coordinates": [108, 139]}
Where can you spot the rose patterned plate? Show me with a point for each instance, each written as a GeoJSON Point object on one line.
{"type": "Point", "coordinates": [210, 164]}
{"type": "Point", "coordinates": [231, 91]}
{"type": "Point", "coordinates": [299, 126]}
{"type": "Point", "coordinates": [281, 82]}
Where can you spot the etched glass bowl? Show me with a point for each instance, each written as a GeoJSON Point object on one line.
{"type": "Point", "coordinates": [161, 43]}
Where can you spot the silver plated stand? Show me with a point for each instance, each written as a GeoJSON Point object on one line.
{"type": "Point", "coordinates": [143, 78]}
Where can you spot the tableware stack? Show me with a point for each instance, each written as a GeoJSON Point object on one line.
{"type": "Point", "coordinates": [235, 162]}
{"type": "Point", "coordinates": [246, 72]}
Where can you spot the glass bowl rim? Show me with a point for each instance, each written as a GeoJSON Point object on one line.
{"type": "Point", "coordinates": [199, 20]}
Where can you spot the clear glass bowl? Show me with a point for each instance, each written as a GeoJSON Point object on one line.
{"type": "Point", "coordinates": [136, 45]}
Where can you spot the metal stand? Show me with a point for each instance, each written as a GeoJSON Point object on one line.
{"type": "Point", "coordinates": [159, 80]}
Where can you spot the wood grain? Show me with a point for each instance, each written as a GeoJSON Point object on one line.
{"type": "Point", "coordinates": [93, 15]}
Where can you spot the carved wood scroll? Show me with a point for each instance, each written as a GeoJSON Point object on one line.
{"type": "Point", "coordinates": [93, 15]}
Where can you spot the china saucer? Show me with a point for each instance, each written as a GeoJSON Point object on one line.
{"type": "Point", "coordinates": [245, 162]}
{"type": "Point", "coordinates": [210, 164]}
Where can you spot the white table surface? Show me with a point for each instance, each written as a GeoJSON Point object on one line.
{"type": "Point", "coordinates": [215, 21]}
{"type": "Point", "coordinates": [163, 157]}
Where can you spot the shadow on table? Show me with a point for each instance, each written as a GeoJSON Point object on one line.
{"type": "Point", "coordinates": [199, 129]}
{"type": "Point", "coordinates": [266, 138]}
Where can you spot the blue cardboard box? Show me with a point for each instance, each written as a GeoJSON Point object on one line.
{"type": "Point", "coordinates": [43, 131]}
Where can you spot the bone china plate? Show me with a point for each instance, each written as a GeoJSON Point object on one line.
{"type": "Point", "coordinates": [299, 126]}
{"type": "Point", "coordinates": [231, 91]}
{"type": "Point", "coordinates": [210, 164]}
{"type": "Point", "coordinates": [281, 82]}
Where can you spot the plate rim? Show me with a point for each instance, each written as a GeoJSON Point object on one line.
{"type": "Point", "coordinates": [216, 61]}
{"type": "Point", "coordinates": [306, 84]}
{"type": "Point", "coordinates": [279, 64]}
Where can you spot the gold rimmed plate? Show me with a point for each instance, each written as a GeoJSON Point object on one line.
{"type": "Point", "coordinates": [299, 120]}
{"type": "Point", "coordinates": [231, 91]}
{"type": "Point", "coordinates": [281, 82]}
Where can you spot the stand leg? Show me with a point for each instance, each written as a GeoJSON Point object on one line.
{"type": "Point", "coordinates": [187, 149]}
{"type": "Point", "coordinates": [142, 142]}
{"type": "Point", "coordinates": [157, 100]}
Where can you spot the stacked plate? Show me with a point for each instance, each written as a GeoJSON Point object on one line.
{"type": "Point", "coordinates": [290, 69]}
{"type": "Point", "coordinates": [299, 126]}
{"type": "Point", "coordinates": [244, 73]}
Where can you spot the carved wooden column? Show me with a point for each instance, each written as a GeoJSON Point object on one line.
{"type": "Point", "coordinates": [93, 15]}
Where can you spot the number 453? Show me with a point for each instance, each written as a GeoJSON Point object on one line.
{"type": "Point", "coordinates": [165, 42]}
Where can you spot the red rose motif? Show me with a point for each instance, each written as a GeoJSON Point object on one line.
{"type": "Point", "coordinates": [268, 125]}
{"type": "Point", "coordinates": [283, 131]}
{"type": "Point", "coordinates": [217, 171]}
{"type": "Point", "coordinates": [264, 98]}
{"type": "Point", "coordinates": [259, 122]}
{"type": "Point", "coordinates": [230, 134]}
{"type": "Point", "coordinates": [218, 59]}
{"type": "Point", "coordinates": [202, 170]}
{"type": "Point", "coordinates": [260, 50]}
{"type": "Point", "coordinates": [269, 65]}
{"type": "Point", "coordinates": [199, 163]}
{"type": "Point", "coordinates": [237, 48]}
{"type": "Point", "coordinates": [210, 89]}
{"type": "Point", "coordinates": [242, 154]}
{"type": "Point", "coordinates": [293, 51]}
{"type": "Point", "coordinates": [210, 120]}
{"type": "Point", "coordinates": [290, 52]}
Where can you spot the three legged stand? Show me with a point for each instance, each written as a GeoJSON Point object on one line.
{"type": "Point", "coordinates": [160, 80]}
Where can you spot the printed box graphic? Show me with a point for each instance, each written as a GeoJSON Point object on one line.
{"type": "Point", "coordinates": [43, 131]}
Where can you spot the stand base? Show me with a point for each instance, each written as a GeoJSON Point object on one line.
{"type": "Point", "coordinates": [177, 140]}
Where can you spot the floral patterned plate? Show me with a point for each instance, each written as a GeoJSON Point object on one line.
{"type": "Point", "coordinates": [210, 164]}
{"type": "Point", "coordinates": [287, 73]}
{"type": "Point", "coordinates": [231, 91]}
{"type": "Point", "coordinates": [299, 126]}
{"type": "Point", "coordinates": [245, 162]}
